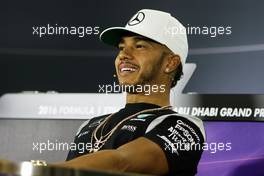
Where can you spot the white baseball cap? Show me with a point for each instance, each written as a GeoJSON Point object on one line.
{"type": "Point", "coordinates": [153, 24]}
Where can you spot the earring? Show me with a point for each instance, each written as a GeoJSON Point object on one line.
{"type": "Point", "coordinates": [167, 70]}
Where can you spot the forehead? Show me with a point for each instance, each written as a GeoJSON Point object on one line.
{"type": "Point", "coordinates": [135, 38]}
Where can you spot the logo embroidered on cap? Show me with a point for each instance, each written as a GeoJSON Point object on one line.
{"type": "Point", "coordinates": [136, 19]}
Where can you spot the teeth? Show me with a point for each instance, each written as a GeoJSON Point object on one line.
{"type": "Point", "coordinates": [127, 69]}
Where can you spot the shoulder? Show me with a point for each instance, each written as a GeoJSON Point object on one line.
{"type": "Point", "coordinates": [174, 119]}
{"type": "Point", "coordinates": [181, 138]}
{"type": "Point", "coordinates": [94, 121]}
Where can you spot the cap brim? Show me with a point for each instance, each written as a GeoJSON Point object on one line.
{"type": "Point", "coordinates": [113, 35]}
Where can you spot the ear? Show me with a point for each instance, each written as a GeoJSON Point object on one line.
{"type": "Point", "coordinates": [173, 62]}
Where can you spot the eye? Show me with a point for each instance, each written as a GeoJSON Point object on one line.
{"type": "Point", "coordinates": [121, 47]}
{"type": "Point", "coordinates": [140, 46]}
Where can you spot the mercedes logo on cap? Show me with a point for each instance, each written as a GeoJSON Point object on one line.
{"type": "Point", "coordinates": [136, 19]}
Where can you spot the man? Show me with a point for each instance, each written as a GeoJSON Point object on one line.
{"type": "Point", "coordinates": [146, 136]}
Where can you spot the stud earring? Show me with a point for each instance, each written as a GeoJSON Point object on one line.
{"type": "Point", "coordinates": [167, 70]}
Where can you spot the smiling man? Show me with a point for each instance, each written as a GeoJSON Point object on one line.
{"type": "Point", "coordinates": [146, 136]}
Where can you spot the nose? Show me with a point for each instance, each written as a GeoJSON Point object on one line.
{"type": "Point", "coordinates": [125, 54]}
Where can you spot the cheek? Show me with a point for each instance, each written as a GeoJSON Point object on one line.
{"type": "Point", "coordinates": [116, 64]}
{"type": "Point", "coordinates": [146, 69]}
{"type": "Point", "coordinates": [150, 65]}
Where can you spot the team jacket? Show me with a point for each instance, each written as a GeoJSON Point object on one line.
{"type": "Point", "coordinates": [181, 137]}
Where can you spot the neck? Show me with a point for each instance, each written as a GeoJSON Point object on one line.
{"type": "Point", "coordinates": [160, 98]}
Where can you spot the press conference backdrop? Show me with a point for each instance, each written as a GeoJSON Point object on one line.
{"type": "Point", "coordinates": [226, 64]}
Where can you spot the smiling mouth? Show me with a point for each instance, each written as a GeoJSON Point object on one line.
{"type": "Point", "coordinates": [125, 68]}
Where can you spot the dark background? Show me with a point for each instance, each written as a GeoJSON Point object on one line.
{"type": "Point", "coordinates": [229, 64]}
{"type": "Point", "coordinates": [71, 64]}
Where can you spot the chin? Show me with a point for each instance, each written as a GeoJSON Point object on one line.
{"type": "Point", "coordinates": [129, 83]}
{"type": "Point", "coordinates": [127, 80]}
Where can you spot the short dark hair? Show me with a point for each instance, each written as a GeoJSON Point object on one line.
{"type": "Point", "coordinates": [177, 76]}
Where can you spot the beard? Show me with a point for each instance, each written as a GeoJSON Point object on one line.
{"type": "Point", "coordinates": [145, 78]}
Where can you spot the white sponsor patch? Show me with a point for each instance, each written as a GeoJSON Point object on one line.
{"type": "Point", "coordinates": [83, 133]}
{"type": "Point", "coordinates": [136, 119]}
{"type": "Point", "coordinates": [82, 126]}
{"type": "Point", "coordinates": [129, 128]}
{"type": "Point", "coordinates": [182, 135]}
{"type": "Point", "coordinates": [169, 145]}
{"type": "Point", "coordinates": [96, 123]}
{"type": "Point", "coordinates": [140, 116]}
{"type": "Point", "coordinates": [175, 135]}
{"type": "Point", "coordinates": [181, 125]}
